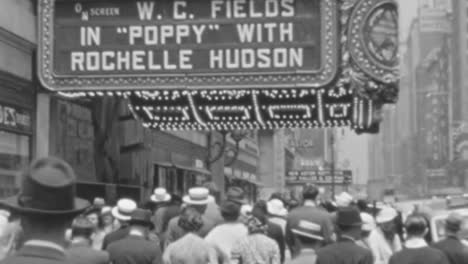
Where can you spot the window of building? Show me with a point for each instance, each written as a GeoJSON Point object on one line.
{"type": "Point", "coordinates": [14, 155]}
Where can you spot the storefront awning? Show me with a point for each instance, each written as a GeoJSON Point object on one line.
{"type": "Point", "coordinates": [176, 166]}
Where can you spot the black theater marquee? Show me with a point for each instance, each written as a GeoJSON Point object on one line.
{"type": "Point", "coordinates": [219, 64]}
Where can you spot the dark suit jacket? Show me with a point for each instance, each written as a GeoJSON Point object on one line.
{"type": "Point", "coordinates": [313, 214]}
{"type": "Point", "coordinates": [275, 232]}
{"type": "Point", "coordinates": [37, 255]}
{"type": "Point", "coordinates": [456, 252]}
{"type": "Point", "coordinates": [115, 236]}
{"type": "Point", "coordinates": [84, 254]}
{"type": "Point", "coordinates": [135, 250]}
{"type": "Point", "coordinates": [344, 252]}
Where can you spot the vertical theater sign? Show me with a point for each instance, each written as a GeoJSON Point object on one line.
{"type": "Point", "coordinates": [226, 64]}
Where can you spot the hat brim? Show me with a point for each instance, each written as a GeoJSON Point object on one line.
{"type": "Point", "coordinates": [167, 198]}
{"type": "Point", "coordinates": [141, 222]}
{"type": "Point", "coordinates": [12, 203]}
{"type": "Point", "coordinates": [305, 234]}
{"type": "Point", "coordinates": [238, 201]}
{"type": "Point", "coordinates": [282, 212]}
{"type": "Point", "coordinates": [119, 216]}
{"type": "Point", "coordinates": [209, 199]}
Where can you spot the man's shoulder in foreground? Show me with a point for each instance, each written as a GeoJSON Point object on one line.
{"type": "Point", "coordinates": [37, 255]}
{"type": "Point", "coordinates": [85, 255]}
{"type": "Point", "coordinates": [426, 255]}
{"type": "Point", "coordinates": [344, 250]}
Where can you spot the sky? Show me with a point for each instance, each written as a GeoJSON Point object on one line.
{"type": "Point", "coordinates": [408, 11]}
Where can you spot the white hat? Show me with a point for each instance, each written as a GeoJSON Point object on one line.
{"type": "Point", "coordinates": [246, 209]}
{"type": "Point", "coordinates": [160, 195]}
{"type": "Point", "coordinates": [276, 207]}
{"type": "Point", "coordinates": [106, 210]}
{"type": "Point", "coordinates": [385, 215]}
{"type": "Point", "coordinates": [124, 209]}
{"type": "Point", "coordinates": [344, 199]}
{"type": "Point", "coordinates": [368, 222]}
{"type": "Point", "coordinates": [198, 196]}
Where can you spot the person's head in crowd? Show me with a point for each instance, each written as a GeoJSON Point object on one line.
{"type": "Point", "coordinates": [368, 225]}
{"type": "Point", "coordinates": [140, 221]}
{"type": "Point", "coordinates": [293, 204]}
{"type": "Point", "coordinates": [160, 197]}
{"type": "Point", "coordinates": [344, 199]}
{"type": "Point", "coordinates": [257, 225]}
{"type": "Point", "coordinates": [93, 214]}
{"type": "Point", "coordinates": [245, 213]}
{"type": "Point", "coordinates": [362, 205]}
{"type": "Point", "coordinates": [349, 222]}
{"type": "Point", "coordinates": [198, 198]}
{"type": "Point", "coordinates": [47, 202]}
{"type": "Point", "coordinates": [453, 224]}
{"type": "Point", "coordinates": [307, 234]}
{"type": "Point", "coordinates": [416, 226]}
{"type": "Point", "coordinates": [230, 211]}
{"type": "Point", "coordinates": [310, 193]}
{"type": "Point", "coordinates": [176, 199]}
{"type": "Point", "coordinates": [260, 210]}
{"type": "Point", "coordinates": [386, 222]}
{"type": "Point", "coordinates": [122, 212]}
{"type": "Point", "coordinates": [190, 220]}
{"type": "Point", "coordinates": [99, 202]}
{"type": "Point", "coordinates": [106, 216]}
{"type": "Point", "coordinates": [275, 207]}
{"type": "Point", "coordinates": [237, 195]}
{"type": "Point", "coordinates": [82, 230]}
{"type": "Point", "coordinates": [213, 190]}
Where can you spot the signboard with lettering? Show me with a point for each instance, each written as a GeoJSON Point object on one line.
{"type": "Point", "coordinates": [15, 118]}
{"type": "Point", "coordinates": [319, 177]}
{"type": "Point", "coordinates": [210, 44]}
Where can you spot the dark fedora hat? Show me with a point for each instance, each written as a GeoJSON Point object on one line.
{"type": "Point", "coordinates": [48, 188]}
{"type": "Point", "coordinates": [348, 217]}
{"type": "Point", "coordinates": [142, 217]}
{"type": "Point", "coordinates": [237, 195]}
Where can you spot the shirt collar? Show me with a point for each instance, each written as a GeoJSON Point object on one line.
{"type": "Point", "coordinates": [136, 233]}
{"type": "Point", "coordinates": [349, 238]}
{"type": "Point", "coordinates": [414, 243]}
{"type": "Point", "coordinates": [44, 243]}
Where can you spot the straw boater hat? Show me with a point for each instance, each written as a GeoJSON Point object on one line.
{"type": "Point", "coordinates": [124, 209]}
{"type": "Point", "coordinates": [48, 188]}
{"type": "Point", "coordinates": [198, 196]}
{"type": "Point", "coordinates": [308, 229]}
{"type": "Point", "coordinates": [385, 215]}
{"type": "Point", "coordinates": [344, 199]}
{"type": "Point", "coordinates": [160, 195]}
{"type": "Point", "coordinates": [276, 207]}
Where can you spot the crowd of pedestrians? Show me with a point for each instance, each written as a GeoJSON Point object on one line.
{"type": "Point", "coordinates": [47, 223]}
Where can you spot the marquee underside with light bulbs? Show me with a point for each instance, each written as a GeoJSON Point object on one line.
{"type": "Point", "coordinates": [224, 65]}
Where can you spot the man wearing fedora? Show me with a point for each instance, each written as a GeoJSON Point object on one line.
{"type": "Point", "coordinates": [122, 212]}
{"type": "Point", "coordinates": [313, 213]}
{"type": "Point", "coordinates": [308, 236]}
{"type": "Point", "coordinates": [135, 248]}
{"type": "Point", "coordinates": [80, 250]}
{"type": "Point", "coordinates": [346, 250]}
{"type": "Point", "coordinates": [47, 204]}
{"type": "Point", "coordinates": [162, 203]}
{"type": "Point", "coordinates": [197, 198]}
{"type": "Point", "coordinates": [452, 246]}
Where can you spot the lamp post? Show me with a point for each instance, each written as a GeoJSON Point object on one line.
{"type": "Point", "coordinates": [332, 165]}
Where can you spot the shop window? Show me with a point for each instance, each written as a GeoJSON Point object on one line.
{"type": "Point", "coordinates": [14, 156]}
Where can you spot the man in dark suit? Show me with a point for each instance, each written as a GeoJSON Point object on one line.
{"type": "Point", "coordinates": [136, 248]}
{"type": "Point", "coordinates": [313, 213]}
{"type": "Point", "coordinates": [80, 250]}
{"type": "Point", "coordinates": [346, 251]}
{"type": "Point", "coordinates": [122, 212]}
{"type": "Point", "coordinates": [453, 248]}
{"type": "Point", "coordinates": [47, 206]}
